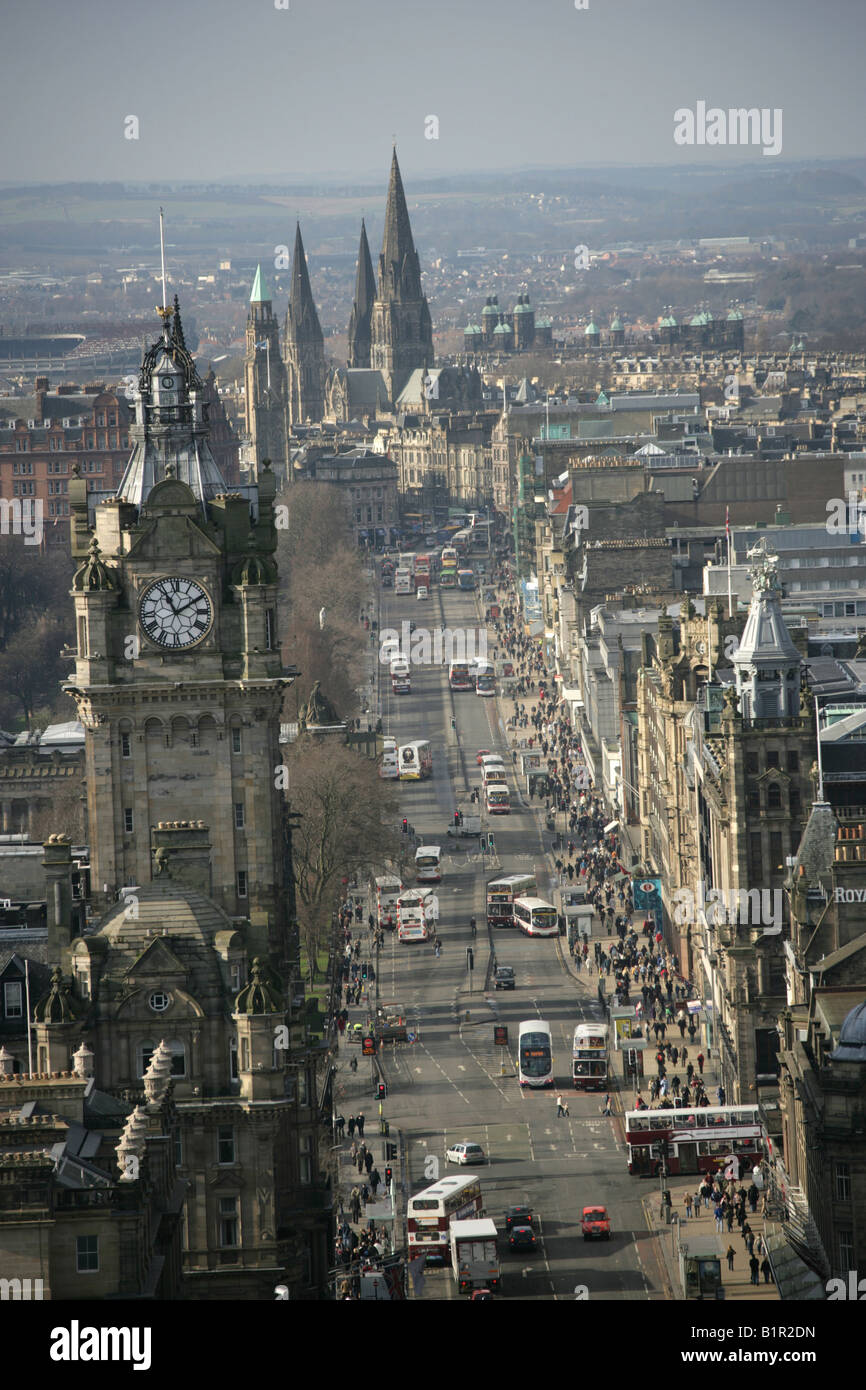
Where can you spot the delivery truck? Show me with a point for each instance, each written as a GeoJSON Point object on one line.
{"type": "Point", "coordinates": [474, 1255]}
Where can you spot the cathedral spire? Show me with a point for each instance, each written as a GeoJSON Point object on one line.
{"type": "Point", "coordinates": [365, 293]}
{"type": "Point", "coordinates": [399, 271]}
{"type": "Point", "coordinates": [302, 321]}
{"type": "Point", "coordinates": [304, 346]}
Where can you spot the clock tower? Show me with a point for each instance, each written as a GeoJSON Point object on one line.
{"type": "Point", "coordinates": [179, 679]}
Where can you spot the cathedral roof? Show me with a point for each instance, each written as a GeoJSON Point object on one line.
{"type": "Point", "coordinates": [365, 280]}
{"type": "Point", "coordinates": [57, 1006]}
{"type": "Point", "coordinates": [302, 321]}
{"type": "Point", "coordinates": [259, 293]}
{"type": "Point", "coordinates": [94, 574]}
{"type": "Point", "coordinates": [260, 996]}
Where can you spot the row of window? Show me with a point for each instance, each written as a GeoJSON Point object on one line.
{"type": "Point", "coordinates": [772, 758]}
{"type": "Point", "coordinates": [359, 515]}
{"type": "Point", "coordinates": [126, 742]}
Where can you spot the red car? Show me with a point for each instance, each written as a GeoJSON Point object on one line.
{"type": "Point", "coordinates": [482, 753]}
{"type": "Point", "coordinates": [595, 1223]}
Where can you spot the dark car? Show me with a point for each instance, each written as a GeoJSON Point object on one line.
{"type": "Point", "coordinates": [522, 1238]}
{"type": "Point", "coordinates": [518, 1216]}
{"type": "Point", "coordinates": [503, 977]}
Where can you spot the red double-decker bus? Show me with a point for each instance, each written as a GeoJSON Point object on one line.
{"type": "Point", "coordinates": [705, 1139]}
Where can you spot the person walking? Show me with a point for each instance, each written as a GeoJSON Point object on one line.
{"type": "Point", "coordinates": [730, 1253]}
{"type": "Point", "coordinates": [351, 1126]}
{"type": "Point", "coordinates": [719, 1215]}
{"type": "Point", "coordinates": [560, 1108]}
{"type": "Point", "coordinates": [339, 1126]}
{"type": "Point", "coordinates": [606, 1110]}
{"type": "Point", "coordinates": [361, 1156]}
{"type": "Point", "coordinates": [368, 1162]}
{"type": "Point", "coordinates": [753, 1269]}
{"type": "Point", "coordinates": [687, 1203]}
{"type": "Point", "coordinates": [766, 1270]}
{"type": "Point", "coordinates": [375, 1180]}
{"type": "Point", "coordinates": [701, 1060]}
{"type": "Point", "coordinates": [355, 1204]}
{"type": "Point", "coordinates": [359, 1121]}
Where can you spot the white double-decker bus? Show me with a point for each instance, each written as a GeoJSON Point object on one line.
{"type": "Point", "coordinates": [430, 1213]}
{"type": "Point", "coordinates": [417, 914]}
{"type": "Point", "coordinates": [416, 761]}
{"type": "Point", "coordinates": [589, 1057]}
{"type": "Point", "coordinates": [388, 889]}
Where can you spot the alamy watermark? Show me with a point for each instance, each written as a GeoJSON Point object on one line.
{"type": "Point", "coordinates": [753, 907]}
{"type": "Point", "coordinates": [25, 1290]}
{"type": "Point", "coordinates": [737, 126]}
{"type": "Point", "coordinates": [19, 518]}
{"type": "Point", "coordinates": [437, 647]}
{"type": "Point", "coordinates": [846, 518]}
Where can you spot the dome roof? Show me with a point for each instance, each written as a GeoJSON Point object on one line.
{"type": "Point", "coordinates": [472, 328]}
{"type": "Point", "coordinates": [544, 323]}
{"type": "Point", "coordinates": [255, 569]}
{"type": "Point", "coordinates": [522, 306]}
{"type": "Point", "coordinates": [259, 996]}
{"type": "Point", "coordinates": [668, 322]}
{"type": "Point", "coordinates": [591, 330]}
{"type": "Point", "coordinates": [164, 905]}
{"type": "Point", "coordinates": [57, 1006]}
{"type": "Point", "coordinates": [852, 1038]}
{"type": "Point", "coordinates": [735, 316]}
{"type": "Point", "coordinates": [617, 325]}
{"type": "Point", "coordinates": [491, 307]}
{"type": "Point", "coordinates": [94, 574]}
{"type": "Point", "coordinates": [504, 329]}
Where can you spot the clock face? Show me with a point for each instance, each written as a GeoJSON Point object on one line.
{"type": "Point", "coordinates": [168, 383]}
{"type": "Point", "coordinates": [175, 613]}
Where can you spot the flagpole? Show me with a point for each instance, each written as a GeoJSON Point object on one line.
{"type": "Point", "coordinates": [730, 595]}
{"type": "Point", "coordinates": [29, 1037]}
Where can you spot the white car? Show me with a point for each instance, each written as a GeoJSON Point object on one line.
{"type": "Point", "coordinates": [465, 1153]}
{"type": "Point", "coordinates": [422, 591]}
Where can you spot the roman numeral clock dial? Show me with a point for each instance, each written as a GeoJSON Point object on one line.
{"type": "Point", "coordinates": [175, 613]}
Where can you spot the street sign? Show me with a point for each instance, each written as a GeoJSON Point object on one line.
{"type": "Point", "coordinates": [411, 1037]}
{"type": "Point", "coordinates": [369, 1047]}
{"type": "Point", "coordinates": [500, 1035]}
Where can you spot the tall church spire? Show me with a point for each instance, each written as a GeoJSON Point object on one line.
{"type": "Point", "coordinates": [400, 327]}
{"type": "Point", "coordinates": [304, 350]}
{"type": "Point", "coordinates": [265, 382]}
{"type": "Point", "coordinates": [302, 321]}
{"type": "Point", "coordinates": [399, 270]}
{"type": "Point", "coordinates": [365, 293]}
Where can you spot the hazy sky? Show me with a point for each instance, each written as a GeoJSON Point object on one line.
{"type": "Point", "coordinates": [239, 88]}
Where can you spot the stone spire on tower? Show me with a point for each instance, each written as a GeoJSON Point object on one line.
{"type": "Point", "coordinates": [400, 327]}
{"type": "Point", "coordinates": [365, 294]}
{"type": "Point", "coordinates": [304, 350]}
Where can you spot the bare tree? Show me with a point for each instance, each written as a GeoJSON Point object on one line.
{"type": "Point", "coordinates": [347, 823]}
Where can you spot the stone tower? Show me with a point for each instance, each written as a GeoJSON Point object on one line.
{"type": "Point", "coordinates": [303, 347]}
{"type": "Point", "coordinates": [362, 308]}
{"type": "Point", "coordinates": [401, 330]}
{"type": "Point", "coordinates": [178, 676]}
{"type": "Point", "coordinates": [265, 381]}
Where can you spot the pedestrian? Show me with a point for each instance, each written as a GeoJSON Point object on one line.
{"type": "Point", "coordinates": [753, 1269]}
{"type": "Point", "coordinates": [606, 1110]}
{"type": "Point", "coordinates": [701, 1060]}
{"type": "Point", "coordinates": [359, 1121]}
{"type": "Point", "coordinates": [351, 1126]}
{"type": "Point", "coordinates": [753, 1198]}
{"type": "Point", "coordinates": [731, 1252]}
{"type": "Point", "coordinates": [375, 1179]}
{"type": "Point", "coordinates": [560, 1108]}
{"type": "Point", "coordinates": [368, 1162]}
{"type": "Point", "coordinates": [766, 1271]}
{"type": "Point", "coordinates": [729, 1218]}
{"type": "Point", "coordinates": [339, 1125]}
{"type": "Point", "coordinates": [719, 1215]}
{"type": "Point", "coordinates": [687, 1203]}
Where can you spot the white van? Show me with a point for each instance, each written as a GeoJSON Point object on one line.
{"type": "Point", "coordinates": [492, 760]}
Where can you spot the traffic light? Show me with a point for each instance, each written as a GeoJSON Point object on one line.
{"type": "Point", "coordinates": [382, 1090]}
{"type": "Point", "coordinates": [363, 972]}
{"type": "Point", "coordinates": [405, 826]}
{"type": "Point", "coordinates": [456, 817]}
{"type": "Point", "coordinates": [470, 958]}
{"type": "Point", "coordinates": [390, 1152]}
{"type": "Point", "coordinates": [491, 843]}
{"type": "Point", "coordinates": [389, 1173]}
